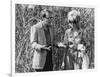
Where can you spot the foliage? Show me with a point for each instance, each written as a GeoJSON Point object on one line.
{"type": "Point", "coordinates": [28, 15]}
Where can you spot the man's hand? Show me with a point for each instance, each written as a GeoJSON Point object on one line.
{"type": "Point", "coordinates": [46, 48]}
{"type": "Point", "coordinates": [39, 47]}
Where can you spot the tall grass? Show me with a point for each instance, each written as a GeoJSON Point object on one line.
{"type": "Point", "coordinates": [28, 15]}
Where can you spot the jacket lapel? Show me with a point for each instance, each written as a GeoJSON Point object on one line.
{"type": "Point", "coordinates": [51, 35]}
{"type": "Point", "coordinates": [42, 36]}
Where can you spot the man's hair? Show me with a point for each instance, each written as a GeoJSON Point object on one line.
{"type": "Point", "coordinates": [44, 13]}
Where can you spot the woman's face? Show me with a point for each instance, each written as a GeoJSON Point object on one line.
{"type": "Point", "coordinates": [74, 25]}
{"type": "Point", "coordinates": [75, 22]}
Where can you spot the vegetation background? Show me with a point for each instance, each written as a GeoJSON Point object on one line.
{"type": "Point", "coordinates": [28, 15]}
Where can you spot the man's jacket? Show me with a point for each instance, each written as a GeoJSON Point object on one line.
{"type": "Point", "coordinates": [38, 38]}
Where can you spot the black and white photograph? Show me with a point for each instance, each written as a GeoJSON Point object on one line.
{"type": "Point", "coordinates": [53, 38]}
{"type": "Point", "coordinates": [50, 38]}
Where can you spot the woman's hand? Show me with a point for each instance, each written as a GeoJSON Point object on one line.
{"type": "Point", "coordinates": [61, 45]}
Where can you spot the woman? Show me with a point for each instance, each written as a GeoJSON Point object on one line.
{"type": "Point", "coordinates": [72, 39]}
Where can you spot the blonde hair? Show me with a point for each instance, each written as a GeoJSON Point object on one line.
{"type": "Point", "coordinates": [74, 16]}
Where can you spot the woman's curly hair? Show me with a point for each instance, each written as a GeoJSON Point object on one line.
{"type": "Point", "coordinates": [73, 16]}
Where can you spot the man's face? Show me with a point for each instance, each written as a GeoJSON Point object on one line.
{"type": "Point", "coordinates": [47, 22]}
{"type": "Point", "coordinates": [71, 25]}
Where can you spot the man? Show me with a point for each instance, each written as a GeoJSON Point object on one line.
{"type": "Point", "coordinates": [42, 43]}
